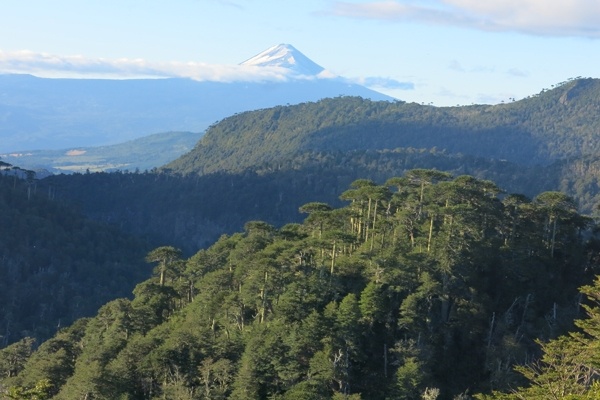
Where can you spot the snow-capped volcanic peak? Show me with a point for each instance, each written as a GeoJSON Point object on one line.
{"type": "Point", "coordinates": [285, 56]}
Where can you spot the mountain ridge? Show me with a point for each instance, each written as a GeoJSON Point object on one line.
{"type": "Point", "coordinates": [551, 135]}
{"type": "Point", "coordinates": [537, 130]}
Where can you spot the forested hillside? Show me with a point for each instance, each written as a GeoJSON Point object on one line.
{"type": "Point", "coordinates": [550, 126]}
{"type": "Point", "coordinates": [427, 283]}
{"type": "Point", "coordinates": [553, 135]}
{"type": "Point", "coordinates": [56, 265]}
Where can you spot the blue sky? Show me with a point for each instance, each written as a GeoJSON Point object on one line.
{"type": "Point", "coordinates": [444, 52]}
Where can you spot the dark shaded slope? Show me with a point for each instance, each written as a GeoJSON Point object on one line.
{"type": "Point", "coordinates": [57, 266]}
{"type": "Point", "coordinates": [193, 211]}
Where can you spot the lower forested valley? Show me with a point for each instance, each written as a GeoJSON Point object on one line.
{"type": "Point", "coordinates": [423, 285]}
{"type": "Point", "coordinates": [57, 265]}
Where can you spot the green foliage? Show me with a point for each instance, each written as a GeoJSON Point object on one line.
{"type": "Point", "coordinates": [265, 165]}
{"type": "Point", "coordinates": [420, 288]}
{"type": "Point", "coordinates": [166, 257]}
{"type": "Point", "coordinates": [568, 366]}
{"type": "Point", "coordinates": [427, 285]}
{"type": "Point", "coordinates": [54, 360]}
{"type": "Point", "coordinates": [40, 391]}
{"type": "Point", "coordinates": [530, 131]}
{"type": "Point", "coordinates": [13, 357]}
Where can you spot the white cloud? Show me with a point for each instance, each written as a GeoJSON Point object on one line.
{"type": "Point", "coordinates": [538, 17]}
{"type": "Point", "coordinates": [47, 65]}
{"type": "Point", "coordinates": [53, 66]}
{"type": "Point", "coordinates": [385, 83]}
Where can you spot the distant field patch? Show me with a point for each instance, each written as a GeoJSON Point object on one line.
{"type": "Point", "coordinates": [75, 152]}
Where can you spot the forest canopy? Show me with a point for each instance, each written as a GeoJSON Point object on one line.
{"type": "Point", "coordinates": [427, 284]}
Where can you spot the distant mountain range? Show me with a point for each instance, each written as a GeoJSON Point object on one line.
{"type": "Point", "coordinates": [141, 154]}
{"type": "Point", "coordinates": [66, 114]}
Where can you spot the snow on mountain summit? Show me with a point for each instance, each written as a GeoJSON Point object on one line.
{"type": "Point", "coordinates": [285, 56]}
